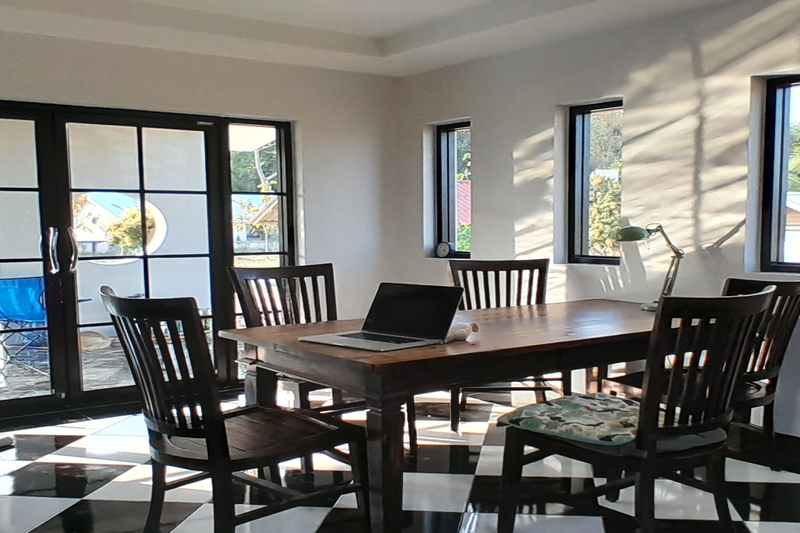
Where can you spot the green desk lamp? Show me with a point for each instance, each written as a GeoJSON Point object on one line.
{"type": "Point", "coordinates": [637, 233]}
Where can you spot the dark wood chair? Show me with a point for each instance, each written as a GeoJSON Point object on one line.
{"type": "Point", "coordinates": [756, 386]}
{"type": "Point", "coordinates": [681, 422]}
{"type": "Point", "coordinates": [505, 283]}
{"type": "Point", "coordinates": [294, 295]}
{"type": "Point", "coordinates": [168, 353]}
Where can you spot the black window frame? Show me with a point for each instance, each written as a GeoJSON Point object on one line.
{"type": "Point", "coordinates": [577, 185]}
{"type": "Point", "coordinates": [445, 177]}
{"type": "Point", "coordinates": [773, 178]}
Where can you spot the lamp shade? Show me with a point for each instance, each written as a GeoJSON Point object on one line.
{"type": "Point", "coordinates": [633, 233]}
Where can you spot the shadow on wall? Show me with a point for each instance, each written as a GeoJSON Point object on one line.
{"type": "Point", "coordinates": [685, 151]}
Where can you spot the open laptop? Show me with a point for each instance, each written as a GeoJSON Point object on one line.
{"type": "Point", "coordinates": [401, 316]}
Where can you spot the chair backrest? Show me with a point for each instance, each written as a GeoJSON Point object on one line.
{"type": "Point", "coordinates": [506, 283]}
{"type": "Point", "coordinates": [21, 299]}
{"type": "Point", "coordinates": [701, 345]}
{"type": "Point", "coordinates": [766, 359]}
{"type": "Point", "coordinates": [285, 295]}
{"type": "Point", "coordinates": [167, 351]}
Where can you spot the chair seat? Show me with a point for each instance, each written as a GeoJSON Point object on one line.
{"type": "Point", "coordinates": [752, 394]}
{"type": "Point", "coordinates": [257, 434]}
{"type": "Point", "coordinates": [597, 419]}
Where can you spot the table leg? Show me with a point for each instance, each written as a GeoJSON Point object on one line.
{"type": "Point", "coordinates": [260, 386]}
{"type": "Point", "coordinates": [385, 455]}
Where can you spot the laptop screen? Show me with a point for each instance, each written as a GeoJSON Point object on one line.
{"type": "Point", "coordinates": [424, 311]}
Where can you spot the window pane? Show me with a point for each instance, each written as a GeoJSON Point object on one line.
{"type": "Point", "coordinates": [110, 224]}
{"type": "Point", "coordinates": [791, 220]}
{"type": "Point", "coordinates": [103, 157]}
{"type": "Point", "coordinates": [103, 363]}
{"type": "Point", "coordinates": [463, 185]}
{"type": "Point", "coordinates": [125, 276]}
{"type": "Point", "coordinates": [181, 223]}
{"type": "Point", "coordinates": [604, 182]}
{"type": "Point", "coordinates": [19, 225]}
{"type": "Point", "coordinates": [256, 223]}
{"type": "Point", "coordinates": [174, 159]}
{"type": "Point", "coordinates": [172, 277]}
{"type": "Point", "coordinates": [17, 153]}
{"type": "Point", "coordinates": [255, 166]}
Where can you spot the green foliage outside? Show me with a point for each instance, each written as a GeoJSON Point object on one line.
{"type": "Point", "coordinates": [464, 237]}
{"type": "Point", "coordinates": [794, 158]}
{"type": "Point", "coordinates": [126, 231]}
{"type": "Point", "coordinates": [463, 173]}
{"type": "Point", "coordinates": [255, 171]}
{"type": "Point", "coordinates": [605, 189]}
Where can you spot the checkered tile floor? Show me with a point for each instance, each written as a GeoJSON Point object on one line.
{"type": "Point", "coordinates": [92, 476]}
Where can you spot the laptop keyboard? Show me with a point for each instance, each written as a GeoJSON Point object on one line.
{"type": "Point", "coordinates": [378, 337]}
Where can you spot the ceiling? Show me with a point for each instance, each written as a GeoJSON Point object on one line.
{"type": "Point", "coordinates": [390, 37]}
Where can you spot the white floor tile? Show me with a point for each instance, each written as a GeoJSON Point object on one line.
{"type": "Point", "coordinates": [436, 492]}
{"type": "Point", "coordinates": [132, 426]}
{"type": "Point", "coordinates": [674, 501]}
{"type": "Point", "coordinates": [136, 484]}
{"type": "Point", "coordinates": [102, 449]}
{"type": "Point", "coordinates": [438, 433]}
{"type": "Point", "coordinates": [23, 513]}
{"type": "Point", "coordinates": [487, 523]}
{"type": "Point", "coordinates": [741, 471]}
{"type": "Point", "coordinates": [490, 463]}
{"type": "Point", "coordinates": [298, 520]}
{"type": "Point", "coordinates": [10, 466]}
{"type": "Point", "coordinates": [773, 527]}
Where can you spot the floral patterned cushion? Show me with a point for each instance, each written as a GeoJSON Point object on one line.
{"type": "Point", "coordinates": [590, 418]}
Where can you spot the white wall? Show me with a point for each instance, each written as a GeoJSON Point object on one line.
{"type": "Point", "coordinates": [686, 84]}
{"type": "Point", "coordinates": [340, 121]}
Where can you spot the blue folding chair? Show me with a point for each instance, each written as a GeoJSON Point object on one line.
{"type": "Point", "coordinates": [21, 308]}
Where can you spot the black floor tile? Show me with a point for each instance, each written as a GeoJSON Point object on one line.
{"type": "Point", "coordinates": [32, 447]}
{"type": "Point", "coordinates": [60, 480]}
{"type": "Point", "coordinates": [485, 495]}
{"type": "Point", "coordinates": [96, 516]}
{"type": "Point", "coordinates": [766, 502]}
{"type": "Point", "coordinates": [351, 521]}
{"type": "Point", "coordinates": [444, 460]}
{"type": "Point", "coordinates": [495, 436]}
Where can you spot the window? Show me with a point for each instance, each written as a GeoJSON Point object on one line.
{"type": "Point", "coordinates": [595, 182]}
{"type": "Point", "coordinates": [454, 190]}
{"type": "Point", "coordinates": [780, 202]}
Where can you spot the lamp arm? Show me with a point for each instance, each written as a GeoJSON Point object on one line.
{"type": "Point", "coordinates": [672, 274]}
{"type": "Point", "coordinates": [660, 229]}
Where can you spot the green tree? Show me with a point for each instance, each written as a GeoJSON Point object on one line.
{"type": "Point", "coordinates": [255, 171]}
{"type": "Point", "coordinates": [605, 199]}
{"type": "Point", "coordinates": [794, 157]}
{"type": "Point", "coordinates": [606, 140]}
{"type": "Point", "coordinates": [126, 231]}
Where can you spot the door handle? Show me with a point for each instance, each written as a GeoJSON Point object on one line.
{"type": "Point", "coordinates": [49, 251]}
{"type": "Point", "coordinates": [73, 258]}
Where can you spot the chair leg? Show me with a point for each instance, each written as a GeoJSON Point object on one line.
{"type": "Point", "coordinates": [717, 472]}
{"type": "Point", "coordinates": [337, 398]}
{"type": "Point", "coordinates": [222, 494]}
{"type": "Point", "coordinates": [411, 418]}
{"type": "Point", "coordinates": [613, 474]}
{"type": "Point", "coordinates": [769, 433]}
{"type": "Point", "coordinates": [566, 382]}
{"type": "Point", "coordinates": [509, 484]}
{"type": "Point", "coordinates": [645, 501]}
{"type": "Point", "coordinates": [455, 411]}
{"type": "Point", "coordinates": [156, 497]}
{"type": "Point", "coordinates": [358, 466]}
{"type": "Point", "coordinates": [306, 462]}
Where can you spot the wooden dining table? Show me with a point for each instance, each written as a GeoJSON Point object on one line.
{"type": "Point", "coordinates": [512, 342]}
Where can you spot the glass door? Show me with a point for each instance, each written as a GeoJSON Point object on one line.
{"type": "Point", "coordinates": [140, 225]}
{"type": "Point", "coordinates": [29, 265]}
